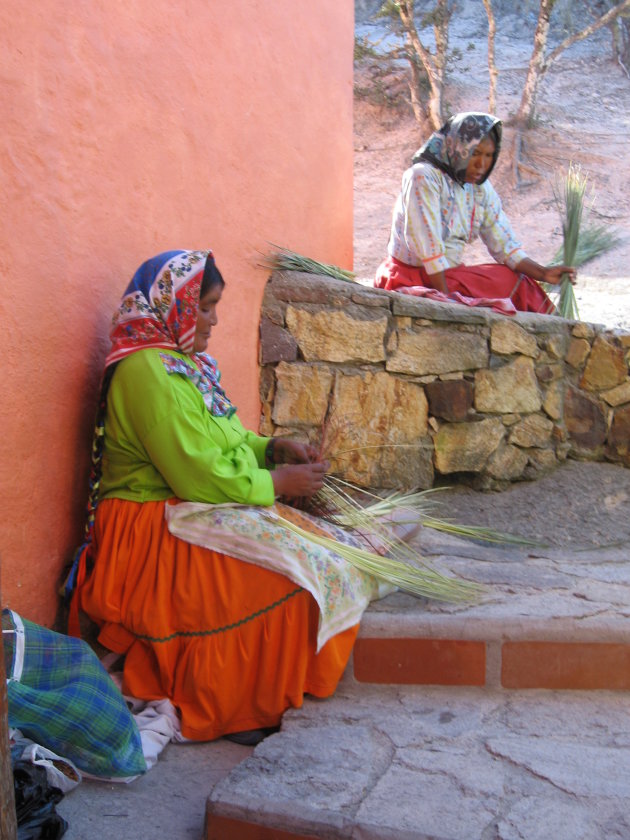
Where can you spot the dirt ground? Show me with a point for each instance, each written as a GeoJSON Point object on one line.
{"type": "Point", "coordinates": [583, 117]}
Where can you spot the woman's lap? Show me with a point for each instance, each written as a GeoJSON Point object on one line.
{"type": "Point", "coordinates": [490, 280]}
{"type": "Point", "coordinates": [231, 644]}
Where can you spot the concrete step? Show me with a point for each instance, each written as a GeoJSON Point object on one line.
{"type": "Point", "coordinates": [459, 735]}
{"type": "Point", "coordinates": [506, 719]}
{"type": "Point", "coordinates": [551, 617]}
{"type": "Point", "coordinates": [403, 762]}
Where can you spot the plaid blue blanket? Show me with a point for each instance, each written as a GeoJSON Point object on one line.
{"type": "Point", "coordinates": [61, 697]}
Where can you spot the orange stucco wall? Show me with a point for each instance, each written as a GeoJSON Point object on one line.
{"type": "Point", "coordinates": [129, 128]}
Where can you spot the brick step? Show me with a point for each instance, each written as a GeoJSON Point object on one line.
{"type": "Point", "coordinates": [493, 664]}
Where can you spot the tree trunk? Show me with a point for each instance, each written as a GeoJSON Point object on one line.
{"type": "Point", "coordinates": [492, 67]}
{"type": "Point", "coordinates": [8, 819]}
{"type": "Point", "coordinates": [415, 82]}
{"type": "Point", "coordinates": [433, 65]}
{"type": "Point", "coordinates": [440, 32]}
{"type": "Point", "coordinates": [536, 68]}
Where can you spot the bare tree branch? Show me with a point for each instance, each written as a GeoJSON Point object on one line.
{"type": "Point", "coordinates": [492, 67]}
{"type": "Point", "coordinates": [536, 64]}
{"type": "Point", "coordinates": [605, 20]}
{"type": "Point", "coordinates": [433, 65]}
{"type": "Point", "coordinates": [539, 63]}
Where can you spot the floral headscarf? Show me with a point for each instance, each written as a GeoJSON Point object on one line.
{"type": "Point", "coordinates": [450, 147]}
{"type": "Point", "coordinates": [159, 306]}
{"type": "Point", "coordinates": [159, 309]}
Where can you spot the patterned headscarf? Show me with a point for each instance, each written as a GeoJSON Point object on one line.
{"type": "Point", "coordinates": [159, 306]}
{"type": "Point", "coordinates": [450, 147]}
{"type": "Point", "coordinates": [159, 309]}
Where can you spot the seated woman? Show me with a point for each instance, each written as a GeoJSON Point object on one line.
{"type": "Point", "coordinates": [231, 643]}
{"type": "Point", "coordinates": [446, 201]}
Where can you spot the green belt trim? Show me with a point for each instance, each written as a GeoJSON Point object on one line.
{"type": "Point", "coordinates": [215, 630]}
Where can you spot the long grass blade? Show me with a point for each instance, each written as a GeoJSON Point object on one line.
{"type": "Point", "coordinates": [409, 508]}
{"type": "Point", "coordinates": [418, 581]}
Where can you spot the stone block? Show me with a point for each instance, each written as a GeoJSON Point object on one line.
{"type": "Point", "coordinates": [369, 297]}
{"type": "Point", "coordinates": [302, 393]}
{"type": "Point", "coordinates": [533, 430]}
{"type": "Point", "coordinates": [583, 330]}
{"type": "Point", "coordinates": [381, 431]}
{"type": "Point", "coordinates": [539, 461]}
{"type": "Point", "coordinates": [466, 447]}
{"type": "Point", "coordinates": [606, 366]}
{"type": "Point", "coordinates": [273, 310]}
{"type": "Point", "coordinates": [556, 345]}
{"type": "Point", "coordinates": [506, 463]}
{"type": "Point", "coordinates": [450, 400]}
{"type": "Point", "coordinates": [512, 388]}
{"type": "Point", "coordinates": [334, 335]}
{"type": "Point", "coordinates": [433, 311]}
{"type": "Point", "coordinates": [508, 338]}
{"type": "Point", "coordinates": [299, 287]}
{"type": "Point", "coordinates": [585, 419]}
{"type": "Point", "coordinates": [619, 436]}
{"type": "Point", "coordinates": [553, 403]}
{"type": "Point", "coordinates": [276, 344]}
{"type": "Point", "coordinates": [618, 395]}
{"type": "Point", "coordinates": [549, 373]}
{"type": "Point", "coordinates": [436, 351]}
{"type": "Point", "coordinates": [579, 348]}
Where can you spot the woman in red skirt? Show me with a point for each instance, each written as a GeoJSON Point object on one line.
{"type": "Point", "coordinates": [446, 201]}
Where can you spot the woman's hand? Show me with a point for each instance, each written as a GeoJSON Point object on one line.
{"type": "Point", "coordinates": [299, 480]}
{"type": "Point", "coordinates": [287, 451]}
{"type": "Point", "coordinates": [554, 274]}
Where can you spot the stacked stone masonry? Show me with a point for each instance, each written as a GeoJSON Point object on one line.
{"type": "Point", "coordinates": [405, 392]}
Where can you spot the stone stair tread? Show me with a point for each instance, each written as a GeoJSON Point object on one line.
{"type": "Point", "coordinates": [377, 762]}
{"type": "Point", "coordinates": [543, 594]}
{"type": "Point", "coordinates": [573, 585]}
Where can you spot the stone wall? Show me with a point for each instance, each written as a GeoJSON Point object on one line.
{"type": "Point", "coordinates": [408, 390]}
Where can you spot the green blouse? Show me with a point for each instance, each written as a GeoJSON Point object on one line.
{"type": "Point", "coordinates": [161, 441]}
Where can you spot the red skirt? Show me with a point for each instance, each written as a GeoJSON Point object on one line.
{"type": "Point", "coordinates": [232, 645]}
{"type": "Point", "coordinates": [491, 280]}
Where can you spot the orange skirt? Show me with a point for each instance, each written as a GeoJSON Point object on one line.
{"type": "Point", "coordinates": [232, 645]}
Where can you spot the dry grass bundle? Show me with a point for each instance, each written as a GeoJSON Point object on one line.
{"type": "Point", "coordinates": [283, 259]}
{"type": "Point", "coordinates": [374, 521]}
{"type": "Point", "coordinates": [581, 242]}
{"type": "Point", "coordinates": [417, 580]}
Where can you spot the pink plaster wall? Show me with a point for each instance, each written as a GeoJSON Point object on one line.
{"type": "Point", "coordinates": [129, 129]}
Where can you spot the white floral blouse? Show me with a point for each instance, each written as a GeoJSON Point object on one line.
{"type": "Point", "coordinates": [435, 217]}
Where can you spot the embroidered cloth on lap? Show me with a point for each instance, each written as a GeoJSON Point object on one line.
{"type": "Point", "coordinates": [256, 535]}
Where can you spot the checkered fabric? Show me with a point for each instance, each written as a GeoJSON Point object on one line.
{"type": "Point", "coordinates": [61, 697]}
